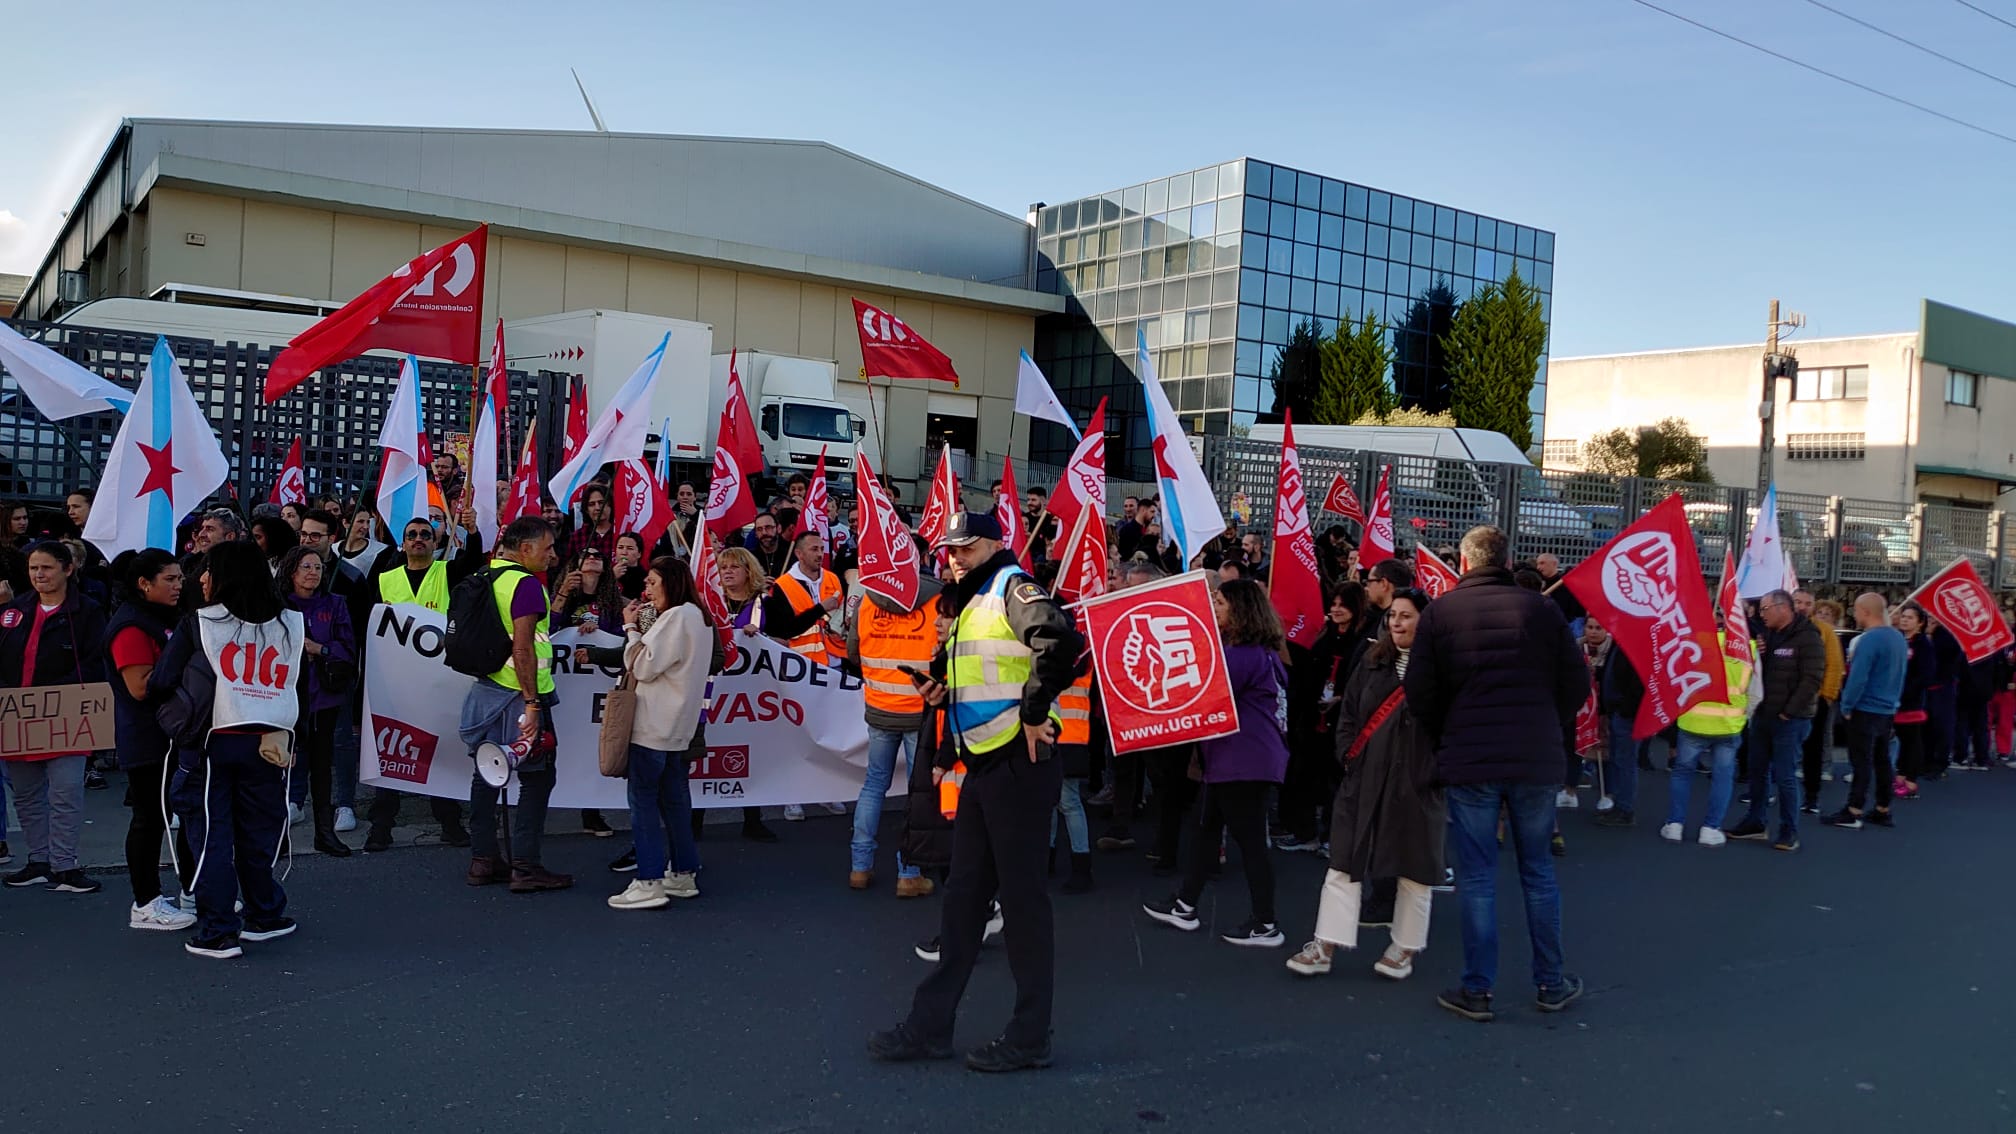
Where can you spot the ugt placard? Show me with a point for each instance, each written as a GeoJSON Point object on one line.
{"type": "Point", "coordinates": [1161, 664]}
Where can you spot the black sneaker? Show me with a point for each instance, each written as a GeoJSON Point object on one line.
{"type": "Point", "coordinates": [1467, 1004]}
{"type": "Point", "coordinates": [902, 1044]}
{"type": "Point", "coordinates": [1560, 996]}
{"type": "Point", "coordinates": [73, 882]}
{"type": "Point", "coordinates": [379, 840]}
{"type": "Point", "coordinates": [626, 862]}
{"type": "Point", "coordinates": [222, 947]}
{"type": "Point", "coordinates": [593, 823]}
{"type": "Point", "coordinates": [1747, 829]}
{"type": "Point", "coordinates": [1002, 1056]}
{"type": "Point", "coordinates": [1878, 818]}
{"type": "Point", "coordinates": [94, 780]}
{"type": "Point", "coordinates": [266, 930]}
{"type": "Point", "coordinates": [757, 831]}
{"type": "Point", "coordinates": [1845, 819]}
{"type": "Point", "coordinates": [1617, 818]}
{"type": "Point", "coordinates": [33, 874]}
{"type": "Point", "coordinates": [456, 836]}
{"type": "Point", "coordinates": [1259, 934]}
{"type": "Point", "coordinates": [1173, 910]}
{"type": "Point", "coordinates": [928, 950]}
{"type": "Point", "coordinates": [1809, 808]}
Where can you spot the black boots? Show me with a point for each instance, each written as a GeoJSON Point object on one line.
{"type": "Point", "coordinates": [1080, 880]}
{"type": "Point", "coordinates": [326, 841]}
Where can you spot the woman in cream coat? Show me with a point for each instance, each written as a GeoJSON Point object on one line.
{"type": "Point", "coordinates": [667, 651]}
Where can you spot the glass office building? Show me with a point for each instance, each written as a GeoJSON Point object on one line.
{"type": "Point", "coordinates": [1219, 265]}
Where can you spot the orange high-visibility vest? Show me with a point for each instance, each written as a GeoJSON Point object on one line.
{"type": "Point", "coordinates": [1074, 707]}
{"type": "Point", "coordinates": [815, 643]}
{"type": "Point", "coordinates": [889, 640]}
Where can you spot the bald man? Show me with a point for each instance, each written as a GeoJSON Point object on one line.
{"type": "Point", "coordinates": [1869, 700]}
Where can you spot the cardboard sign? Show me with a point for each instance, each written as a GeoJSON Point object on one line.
{"type": "Point", "coordinates": [1161, 664]}
{"type": "Point", "coordinates": [55, 720]}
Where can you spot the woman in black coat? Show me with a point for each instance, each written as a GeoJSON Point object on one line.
{"type": "Point", "coordinates": [1389, 819]}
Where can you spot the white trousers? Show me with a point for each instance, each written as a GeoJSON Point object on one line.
{"type": "Point", "coordinates": [1337, 913]}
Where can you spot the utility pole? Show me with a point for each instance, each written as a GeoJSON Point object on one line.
{"type": "Point", "coordinates": [1777, 364]}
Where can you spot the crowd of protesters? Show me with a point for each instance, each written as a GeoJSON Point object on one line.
{"type": "Point", "coordinates": [1410, 742]}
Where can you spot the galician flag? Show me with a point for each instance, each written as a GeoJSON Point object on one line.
{"type": "Point", "coordinates": [1035, 398]}
{"type": "Point", "coordinates": [164, 462]}
{"type": "Point", "coordinates": [619, 434]}
{"type": "Point", "coordinates": [402, 483]}
{"type": "Point", "coordinates": [490, 438]}
{"type": "Point", "coordinates": [1766, 567]}
{"type": "Point", "coordinates": [59, 387]}
{"type": "Point", "coordinates": [1190, 512]}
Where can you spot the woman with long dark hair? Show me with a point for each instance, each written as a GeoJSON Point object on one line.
{"type": "Point", "coordinates": [1315, 678]}
{"type": "Point", "coordinates": [629, 566]}
{"type": "Point", "coordinates": [135, 636]}
{"type": "Point", "coordinates": [1913, 721]}
{"type": "Point", "coordinates": [229, 682]}
{"type": "Point", "coordinates": [667, 650]}
{"type": "Point", "coordinates": [330, 657]}
{"type": "Point", "coordinates": [1389, 820]}
{"type": "Point", "coordinates": [275, 537]}
{"type": "Point", "coordinates": [52, 635]}
{"type": "Point", "coordinates": [1240, 771]}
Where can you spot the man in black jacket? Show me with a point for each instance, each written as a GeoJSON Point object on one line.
{"type": "Point", "coordinates": [1794, 661]}
{"type": "Point", "coordinates": [1496, 680]}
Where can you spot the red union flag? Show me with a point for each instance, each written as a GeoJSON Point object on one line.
{"type": "Point", "coordinates": [1008, 511]}
{"type": "Point", "coordinates": [1161, 664]}
{"type": "Point", "coordinates": [1434, 577]}
{"type": "Point", "coordinates": [707, 576]}
{"type": "Point", "coordinates": [1960, 602]}
{"type": "Point", "coordinates": [432, 306]}
{"type": "Point", "coordinates": [1082, 558]}
{"type": "Point", "coordinates": [1084, 476]}
{"type": "Point", "coordinates": [292, 487]}
{"type": "Point", "coordinates": [892, 350]}
{"type": "Point", "coordinates": [941, 503]}
{"type": "Point", "coordinates": [1295, 584]}
{"type": "Point", "coordinates": [641, 505]}
{"type": "Point", "coordinates": [1378, 542]}
{"type": "Point", "coordinates": [523, 499]}
{"type": "Point", "coordinates": [1735, 627]}
{"type": "Point", "coordinates": [1645, 587]}
{"type": "Point", "coordinates": [1588, 722]}
{"type": "Point", "coordinates": [888, 556]}
{"type": "Point", "coordinates": [1341, 500]}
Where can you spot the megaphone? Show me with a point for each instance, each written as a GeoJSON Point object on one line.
{"type": "Point", "coordinates": [495, 762]}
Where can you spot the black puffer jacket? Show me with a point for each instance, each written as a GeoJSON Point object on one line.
{"type": "Point", "coordinates": [1795, 662]}
{"type": "Point", "coordinates": [1496, 679]}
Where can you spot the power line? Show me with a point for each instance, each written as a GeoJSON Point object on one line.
{"type": "Point", "coordinates": [1913, 43]}
{"type": "Point", "coordinates": [1803, 65]}
{"type": "Point", "coordinates": [1986, 12]}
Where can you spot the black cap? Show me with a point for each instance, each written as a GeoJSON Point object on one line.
{"type": "Point", "coordinates": [968, 527]}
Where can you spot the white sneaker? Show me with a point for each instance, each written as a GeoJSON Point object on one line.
{"type": "Point", "coordinates": [1566, 800]}
{"type": "Point", "coordinates": [1711, 837]}
{"type": "Point", "coordinates": [160, 914]}
{"type": "Point", "coordinates": [835, 808]}
{"type": "Point", "coordinates": [640, 894]}
{"type": "Point", "coordinates": [1605, 804]}
{"type": "Point", "coordinates": [296, 815]}
{"type": "Point", "coordinates": [994, 923]}
{"type": "Point", "coordinates": [346, 819]}
{"type": "Point", "coordinates": [1672, 832]}
{"type": "Point", "coordinates": [794, 813]}
{"type": "Point", "coordinates": [1395, 963]}
{"type": "Point", "coordinates": [681, 885]}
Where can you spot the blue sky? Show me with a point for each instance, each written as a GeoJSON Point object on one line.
{"type": "Point", "coordinates": [1688, 179]}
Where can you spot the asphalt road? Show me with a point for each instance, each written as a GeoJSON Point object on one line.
{"type": "Point", "coordinates": [1860, 984]}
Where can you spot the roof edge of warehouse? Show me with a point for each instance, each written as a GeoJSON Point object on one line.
{"type": "Point", "coordinates": [1793, 343]}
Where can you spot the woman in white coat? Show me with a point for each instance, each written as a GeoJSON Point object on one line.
{"type": "Point", "coordinates": [667, 652]}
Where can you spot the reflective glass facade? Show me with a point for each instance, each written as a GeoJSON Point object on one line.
{"type": "Point", "coordinates": [1218, 265]}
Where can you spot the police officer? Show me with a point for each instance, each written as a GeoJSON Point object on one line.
{"type": "Point", "coordinates": [1011, 653]}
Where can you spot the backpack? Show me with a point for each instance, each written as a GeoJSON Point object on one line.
{"type": "Point", "coordinates": [478, 642]}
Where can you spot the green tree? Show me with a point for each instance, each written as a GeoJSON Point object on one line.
{"type": "Point", "coordinates": [1493, 350]}
{"type": "Point", "coordinates": [1410, 415]}
{"type": "Point", "coordinates": [1354, 363]}
{"type": "Point", "coordinates": [1666, 451]}
{"type": "Point", "coordinates": [1297, 372]}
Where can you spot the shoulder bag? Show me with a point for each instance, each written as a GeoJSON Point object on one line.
{"type": "Point", "coordinates": [619, 711]}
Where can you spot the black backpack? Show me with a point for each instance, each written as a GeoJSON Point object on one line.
{"type": "Point", "coordinates": [478, 642]}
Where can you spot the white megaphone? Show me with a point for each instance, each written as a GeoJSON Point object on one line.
{"type": "Point", "coordinates": [496, 762]}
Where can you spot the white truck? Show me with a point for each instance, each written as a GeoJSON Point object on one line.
{"type": "Point", "coordinates": [606, 347]}
{"type": "Point", "coordinates": [798, 411]}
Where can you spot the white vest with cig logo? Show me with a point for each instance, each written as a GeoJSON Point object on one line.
{"type": "Point", "coordinates": [258, 666]}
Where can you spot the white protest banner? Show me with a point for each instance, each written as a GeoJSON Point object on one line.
{"type": "Point", "coordinates": [782, 729]}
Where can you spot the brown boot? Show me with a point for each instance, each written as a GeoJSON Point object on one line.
{"type": "Point", "coordinates": [483, 871]}
{"type": "Point", "coordinates": [530, 878]}
{"type": "Point", "coordinates": [918, 887]}
{"type": "Point", "coordinates": [860, 879]}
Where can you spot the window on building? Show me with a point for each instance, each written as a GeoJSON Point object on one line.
{"type": "Point", "coordinates": [1826, 447]}
{"type": "Point", "coordinates": [1963, 388]}
{"type": "Point", "coordinates": [1830, 383]}
{"type": "Point", "coordinates": [1562, 453]}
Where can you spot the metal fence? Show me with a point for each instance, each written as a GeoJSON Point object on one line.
{"type": "Point", "coordinates": [1831, 539]}
{"type": "Point", "coordinates": [336, 412]}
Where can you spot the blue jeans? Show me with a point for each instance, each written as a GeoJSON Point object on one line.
{"type": "Point", "coordinates": [1721, 752]}
{"type": "Point", "coordinates": [882, 746]}
{"type": "Point", "coordinates": [1620, 767]}
{"type": "Point", "coordinates": [1473, 835]}
{"type": "Point", "coordinates": [661, 805]}
{"type": "Point", "coordinates": [1775, 746]}
{"type": "Point", "coordinates": [1071, 805]}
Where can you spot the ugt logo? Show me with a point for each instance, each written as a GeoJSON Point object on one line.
{"type": "Point", "coordinates": [1158, 657]}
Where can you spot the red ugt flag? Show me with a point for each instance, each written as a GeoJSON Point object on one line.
{"type": "Point", "coordinates": [1008, 510]}
{"type": "Point", "coordinates": [1082, 558]}
{"type": "Point", "coordinates": [893, 350]}
{"type": "Point", "coordinates": [745, 445]}
{"type": "Point", "coordinates": [941, 503]}
{"type": "Point", "coordinates": [523, 499]}
{"type": "Point", "coordinates": [730, 503]}
{"type": "Point", "coordinates": [814, 518]}
{"type": "Point", "coordinates": [1964, 605]}
{"type": "Point", "coordinates": [1161, 664]}
{"type": "Point", "coordinates": [432, 306]}
{"type": "Point", "coordinates": [1735, 627]}
{"type": "Point", "coordinates": [1084, 477]}
{"type": "Point", "coordinates": [1341, 500]}
{"type": "Point", "coordinates": [292, 487]}
{"type": "Point", "coordinates": [1295, 584]}
{"type": "Point", "coordinates": [641, 503]}
{"type": "Point", "coordinates": [1378, 542]}
{"type": "Point", "coordinates": [1645, 587]}
{"type": "Point", "coordinates": [1431, 574]}
{"type": "Point", "coordinates": [888, 556]}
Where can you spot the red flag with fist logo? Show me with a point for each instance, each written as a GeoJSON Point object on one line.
{"type": "Point", "coordinates": [1958, 600]}
{"type": "Point", "coordinates": [1161, 664]}
{"type": "Point", "coordinates": [1294, 581]}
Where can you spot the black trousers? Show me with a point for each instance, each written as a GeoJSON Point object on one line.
{"type": "Point", "coordinates": [1869, 755]}
{"type": "Point", "coordinates": [1311, 783]}
{"type": "Point", "coordinates": [1819, 749]}
{"type": "Point", "coordinates": [385, 810]}
{"type": "Point", "coordinates": [1240, 808]}
{"type": "Point", "coordinates": [1169, 771]}
{"type": "Point", "coordinates": [143, 835]}
{"type": "Point", "coordinates": [999, 841]}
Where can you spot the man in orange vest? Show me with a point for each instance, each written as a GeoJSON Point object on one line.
{"type": "Point", "coordinates": [807, 578]}
{"type": "Point", "coordinates": [886, 643]}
